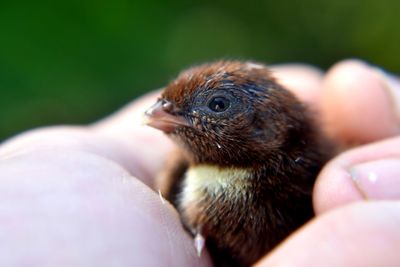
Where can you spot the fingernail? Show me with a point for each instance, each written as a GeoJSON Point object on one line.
{"type": "Point", "coordinates": [378, 179]}
{"type": "Point", "coordinates": [392, 86]}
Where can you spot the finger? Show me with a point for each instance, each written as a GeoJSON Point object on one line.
{"type": "Point", "coordinates": [359, 103]}
{"type": "Point", "coordinates": [82, 209]}
{"type": "Point", "coordinates": [369, 172]}
{"type": "Point", "coordinates": [64, 139]}
{"type": "Point", "coordinates": [144, 146]}
{"type": "Point", "coordinates": [362, 234]}
{"type": "Point", "coordinates": [128, 118]}
{"type": "Point", "coordinates": [303, 80]}
{"type": "Point", "coordinates": [121, 138]}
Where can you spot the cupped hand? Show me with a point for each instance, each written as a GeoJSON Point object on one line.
{"type": "Point", "coordinates": [84, 196]}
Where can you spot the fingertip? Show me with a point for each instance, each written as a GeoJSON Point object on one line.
{"type": "Point", "coordinates": [356, 105]}
{"type": "Point", "coordinates": [303, 80]}
{"type": "Point", "coordinates": [126, 128]}
{"type": "Point", "coordinates": [128, 118]}
{"type": "Point", "coordinates": [333, 188]}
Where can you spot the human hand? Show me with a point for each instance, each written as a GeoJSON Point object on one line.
{"type": "Point", "coordinates": [80, 195]}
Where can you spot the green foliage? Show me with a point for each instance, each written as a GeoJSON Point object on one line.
{"type": "Point", "coordinates": [76, 61]}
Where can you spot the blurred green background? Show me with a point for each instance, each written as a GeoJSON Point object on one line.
{"type": "Point", "coordinates": [77, 61]}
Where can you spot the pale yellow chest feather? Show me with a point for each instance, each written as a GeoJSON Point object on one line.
{"type": "Point", "coordinates": [213, 180]}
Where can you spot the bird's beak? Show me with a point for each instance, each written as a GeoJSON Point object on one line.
{"type": "Point", "coordinates": [160, 117]}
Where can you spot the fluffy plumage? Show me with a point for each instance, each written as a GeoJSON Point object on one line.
{"type": "Point", "coordinates": [249, 155]}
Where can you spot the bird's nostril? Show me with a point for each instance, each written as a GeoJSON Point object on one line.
{"type": "Point", "coordinates": [167, 106]}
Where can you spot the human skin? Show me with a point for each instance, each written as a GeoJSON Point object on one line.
{"type": "Point", "coordinates": [84, 196]}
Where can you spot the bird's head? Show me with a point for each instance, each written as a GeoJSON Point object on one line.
{"type": "Point", "coordinates": [228, 113]}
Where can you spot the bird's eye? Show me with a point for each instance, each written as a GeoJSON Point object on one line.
{"type": "Point", "coordinates": [219, 104]}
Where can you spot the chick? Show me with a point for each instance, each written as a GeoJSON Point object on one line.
{"type": "Point", "coordinates": [249, 155]}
